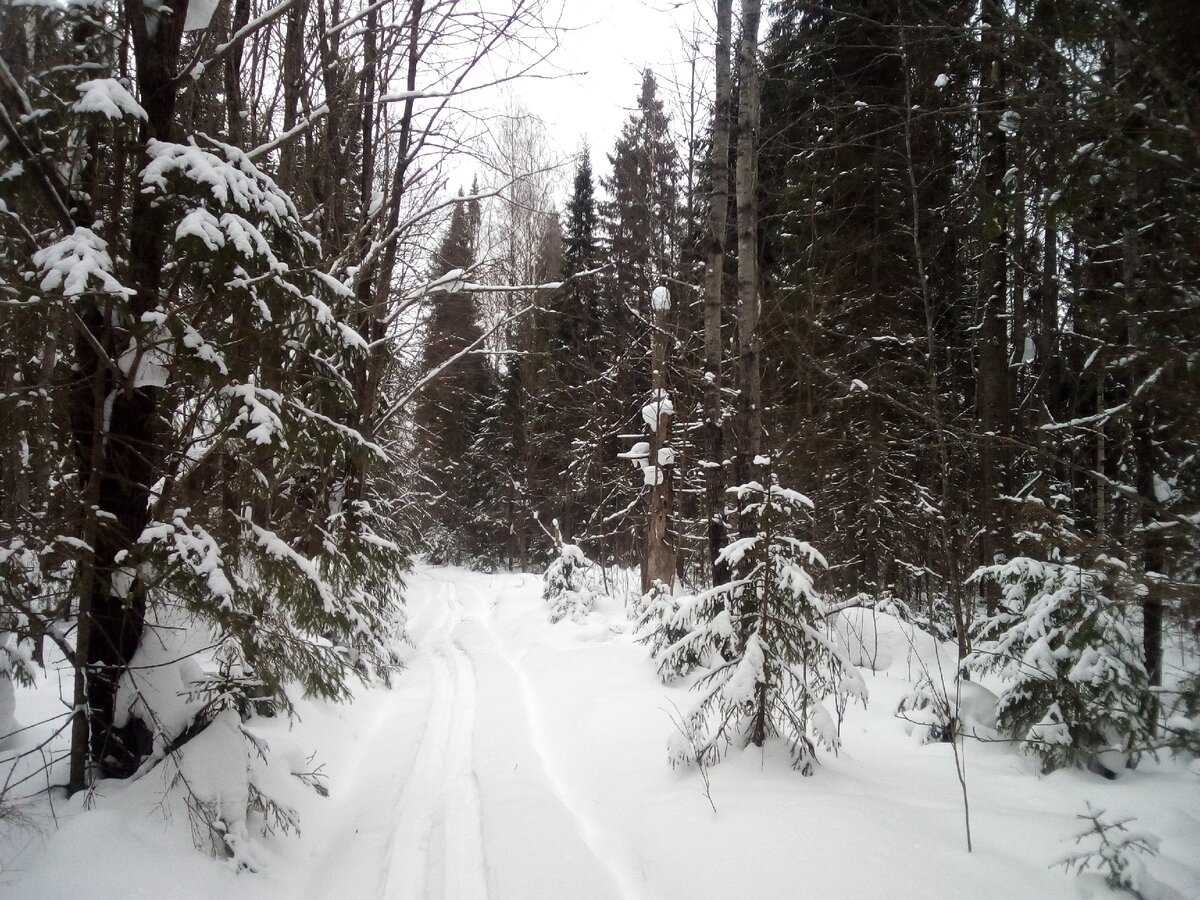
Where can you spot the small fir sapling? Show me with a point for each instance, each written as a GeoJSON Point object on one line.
{"type": "Point", "coordinates": [568, 591]}
{"type": "Point", "coordinates": [1108, 849]}
{"type": "Point", "coordinates": [1068, 651]}
{"type": "Point", "coordinates": [780, 665]}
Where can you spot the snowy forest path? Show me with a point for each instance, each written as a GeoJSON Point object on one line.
{"type": "Point", "coordinates": [436, 849]}
{"type": "Point", "coordinates": [474, 807]}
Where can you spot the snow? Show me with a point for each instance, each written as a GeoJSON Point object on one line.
{"type": "Point", "coordinates": [152, 360]}
{"type": "Point", "coordinates": [230, 177]}
{"type": "Point", "coordinates": [882, 643]}
{"type": "Point", "coordinates": [519, 760]}
{"type": "Point", "coordinates": [660, 404]}
{"type": "Point", "coordinates": [660, 300]}
{"type": "Point", "coordinates": [941, 81]}
{"type": "Point", "coordinates": [199, 14]}
{"type": "Point", "coordinates": [638, 454]}
{"type": "Point", "coordinates": [8, 707]}
{"type": "Point", "coordinates": [108, 97]}
{"type": "Point", "coordinates": [75, 262]}
{"type": "Point", "coordinates": [162, 674]}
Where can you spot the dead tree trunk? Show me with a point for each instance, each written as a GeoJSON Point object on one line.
{"type": "Point", "coordinates": [658, 557]}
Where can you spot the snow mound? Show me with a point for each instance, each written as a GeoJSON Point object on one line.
{"type": "Point", "coordinates": [884, 643]}
{"type": "Point", "coordinates": [938, 709]}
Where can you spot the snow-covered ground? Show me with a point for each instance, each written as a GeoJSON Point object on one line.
{"type": "Point", "coordinates": [518, 759]}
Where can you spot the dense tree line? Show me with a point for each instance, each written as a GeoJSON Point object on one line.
{"type": "Point", "coordinates": [942, 282]}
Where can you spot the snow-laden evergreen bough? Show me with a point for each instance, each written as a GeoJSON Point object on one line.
{"type": "Point", "coordinates": [1068, 650]}
{"type": "Point", "coordinates": [1108, 850]}
{"type": "Point", "coordinates": [769, 663]}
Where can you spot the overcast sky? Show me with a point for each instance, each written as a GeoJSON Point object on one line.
{"type": "Point", "coordinates": [609, 42]}
{"type": "Point", "coordinates": [591, 82]}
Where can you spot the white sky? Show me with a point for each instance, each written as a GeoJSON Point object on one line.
{"type": "Point", "coordinates": [609, 42]}
{"type": "Point", "coordinates": [604, 45]}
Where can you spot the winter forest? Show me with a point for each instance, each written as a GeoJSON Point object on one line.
{"type": "Point", "coordinates": [462, 449]}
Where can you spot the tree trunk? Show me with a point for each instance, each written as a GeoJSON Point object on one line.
{"type": "Point", "coordinates": [991, 398]}
{"type": "Point", "coordinates": [121, 475]}
{"type": "Point", "coordinates": [749, 418]}
{"type": "Point", "coordinates": [714, 279]}
{"type": "Point", "coordinates": [658, 558]}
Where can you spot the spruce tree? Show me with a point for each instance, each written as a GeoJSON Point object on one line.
{"type": "Point", "coordinates": [864, 121]}
{"type": "Point", "coordinates": [640, 223]}
{"type": "Point", "coordinates": [1064, 641]}
{"type": "Point", "coordinates": [573, 362]}
{"type": "Point", "coordinates": [451, 411]}
{"type": "Point", "coordinates": [771, 662]}
{"type": "Point", "coordinates": [193, 383]}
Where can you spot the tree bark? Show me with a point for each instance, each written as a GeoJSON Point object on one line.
{"type": "Point", "coordinates": [121, 474]}
{"type": "Point", "coordinates": [658, 558]}
{"type": "Point", "coordinates": [991, 399]}
{"type": "Point", "coordinates": [714, 280]}
{"type": "Point", "coordinates": [749, 418]}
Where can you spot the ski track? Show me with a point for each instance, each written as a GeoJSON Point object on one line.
{"type": "Point", "coordinates": [436, 850]}
{"type": "Point", "coordinates": [429, 839]}
{"type": "Point", "coordinates": [624, 878]}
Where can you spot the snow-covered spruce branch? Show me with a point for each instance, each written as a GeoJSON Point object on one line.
{"type": "Point", "coordinates": [353, 434]}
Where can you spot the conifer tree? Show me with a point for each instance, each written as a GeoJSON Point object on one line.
{"type": "Point", "coordinates": [451, 411]}
{"type": "Point", "coordinates": [772, 663]}
{"type": "Point", "coordinates": [1064, 642]}
{"type": "Point", "coordinates": [863, 269]}
{"type": "Point", "coordinates": [203, 389]}
{"type": "Point", "coordinates": [641, 216]}
{"type": "Point", "coordinates": [574, 361]}
{"type": "Point", "coordinates": [641, 227]}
